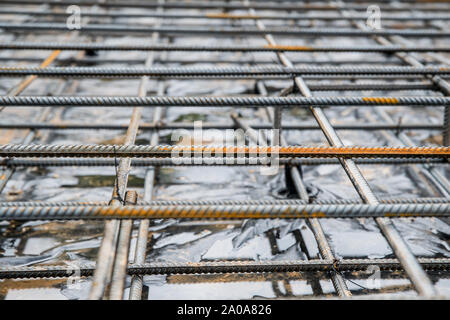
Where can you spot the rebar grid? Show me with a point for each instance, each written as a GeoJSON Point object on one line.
{"type": "Point", "coordinates": [111, 267]}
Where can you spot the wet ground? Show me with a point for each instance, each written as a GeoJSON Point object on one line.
{"type": "Point", "coordinates": [37, 243]}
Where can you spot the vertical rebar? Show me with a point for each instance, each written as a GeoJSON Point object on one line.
{"type": "Point", "coordinates": [141, 244]}
{"type": "Point", "coordinates": [123, 245]}
{"type": "Point", "coordinates": [107, 262]}
{"type": "Point", "coordinates": [401, 249]}
{"type": "Point", "coordinates": [417, 275]}
{"type": "Point", "coordinates": [275, 115]}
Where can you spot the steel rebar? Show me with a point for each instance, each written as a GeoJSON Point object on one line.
{"type": "Point", "coordinates": [67, 46]}
{"type": "Point", "coordinates": [177, 152]}
{"type": "Point", "coordinates": [431, 264]}
{"type": "Point", "coordinates": [205, 161]}
{"type": "Point", "coordinates": [220, 15]}
{"type": "Point", "coordinates": [222, 202]}
{"type": "Point", "coordinates": [307, 32]}
{"type": "Point", "coordinates": [214, 71]}
{"type": "Point", "coordinates": [227, 5]}
{"type": "Point", "coordinates": [189, 126]}
{"type": "Point", "coordinates": [205, 101]}
{"type": "Point", "coordinates": [226, 212]}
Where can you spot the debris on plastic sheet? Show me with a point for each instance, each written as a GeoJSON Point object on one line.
{"type": "Point", "coordinates": [161, 224]}
{"type": "Point", "coordinates": [350, 239]}
{"type": "Point", "coordinates": [255, 248]}
{"type": "Point", "coordinates": [188, 252]}
{"type": "Point", "coordinates": [300, 288]}
{"type": "Point", "coordinates": [255, 228]}
{"type": "Point", "coordinates": [309, 242]}
{"type": "Point", "coordinates": [284, 237]}
{"type": "Point", "coordinates": [443, 287]}
{"type": "Point", "coordinates": [292, 253]}
{"type": "Point", "coordinates": [36, 246]}
{"type": "Point", "coordinates": [425, 237]}
{"type": "Point", "coordinates": [78, 290]}
{"type": "Point", "coordinates": [35, 294]}
{"type": "Point", "coordinates": [180, 238]}
{"type": "Point", "coordinates": [284, 243]}
{"type": "Point", "coordinates": [212, 291]}
{"type": "Point", "coordinates": [22, 261]}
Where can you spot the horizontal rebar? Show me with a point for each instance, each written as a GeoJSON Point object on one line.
{"type": "Point", "coordinates": [345, 265]}
{"type": "Point", "coordinates": [316, 86]}
{"type": "Point", "coordinates": [228, 5]}
{"type": "Point", "coordinates": [221, 202]}
{"type": "Point", "coordinates": [227, 31]}
{"type": "Point", "coordinates": [181, 60]}
{"type": "Point", "coordinates": [220, 15]}
{"type": "Point", "coordinates": [370, 86]}
{"type": "Point", "coordinates": [208, 162]}
{"type": "Point", "coordinates": [17, 45]}
{"type": "Point", "coordinates": [206, 101]}
{"type": "Point", "coordinates": [190, 126]}
{"type": "Point", "coordinates": [233, 72]}
{"type": "Point", "coordinates": [177, 153]}
{"type": "Point", "coordinates": [303, 211]}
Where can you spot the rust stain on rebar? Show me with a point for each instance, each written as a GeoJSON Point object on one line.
{"type": "Point", "coordinates": [397, 215]}
{"type": "Point", "coordinates": [321, 151]}
{"type": "Point", "coordinates": [173, 212]}
{"type": "Point", "coordinates": [288, 48]}
{"type": "Point", "coordinates": [382, 100]}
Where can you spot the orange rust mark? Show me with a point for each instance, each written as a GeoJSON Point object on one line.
{"type": "Point", "coordinates": [402, 215]}
{"type": "Point", "coordinates": [231, 16]}
{"type": "Point", "coordinates": [3, 177]}
{"type": "Point", "coordinates": [108, 212]}
{"type": "Point", "coordinates": [204, 213]}
{"type": "Point", "coordinates": [208, 213]}
{"type": "Point", "coordinates": [324, 151]}
{"type": "Point", "coordinates": [288, 48]}
{"type": "Point", "coordinates": [318, 214]}
{"type": "Point", "coordinates": [134, 212]}
{"type": "Point", "coordinates": [383, 100]}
